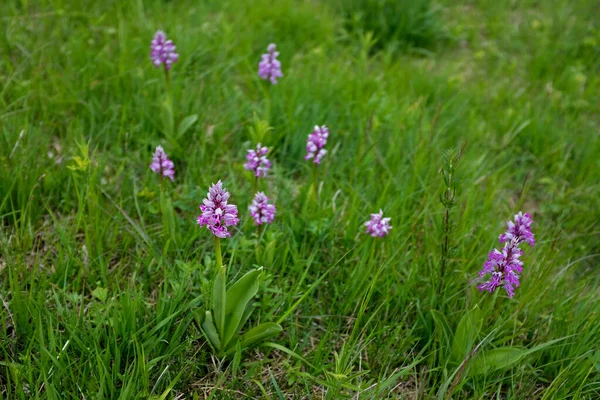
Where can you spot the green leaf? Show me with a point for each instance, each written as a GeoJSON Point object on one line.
{"type": "Point", "coordinates": [259, 129]}
{"type": "Point", "coordinates": [186, 124]}
{"type": "Point", "coordinates": [504, 357]}
{"type": "Point", "coordinates": [443, 330]}
{"type": "Point", "coordinates": [276, 386]}
{"type": "Point", "coordinates": [544, 345]}
{"type": "Point", "coordinates": [596, 360]}
{"type": "Point", "coordinates": [247, 312]}
{"type": "Point", "coordinates": [219, 300]}
{"type": "Point", "coordinates": [168, 216]}
{"type": "Point", "coordinates": [171, 386]}
{"type": "Point", "coordinates": [466, 333]}
{"type": "Point", "coordinates": [100, 293]}
{"type": "Point", "coordinates": [238, 297]}
{"type": "Point", "coordinates": [209, 330]}
{"type": "Point", "coordinates": [290, 352]}
{"type": "Point", "coordinates": [199, 315]}
{"type": "Point", "coordinates": [495, 359]}
{"type": "Point", "coordinates": [167, 118]}
{"type": "Point", "coordinates": [260, 333]}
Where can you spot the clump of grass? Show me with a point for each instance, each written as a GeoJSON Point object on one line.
{"type": "Point", "coordinates": [395, 23]}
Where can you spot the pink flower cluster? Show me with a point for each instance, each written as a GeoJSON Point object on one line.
{"type": "Point", "coordinates": [260, 210]}
{"type": "Point", "coordinates": [315, 144]}
{"type": "Point", "coordinates": [378, 226]}
{"type": "Point", "coordinates": [162, 165]}
{"type": "Point", "coordinates": [163, 51]}
{"type": "Point", "coordinates": [257, 162]}
{"type": "Point", "coordinates": [269, 67]}
{"type": "Point", "coordinates": [505, 266]}
{"type": "Point", "coordinates": [217, 214]}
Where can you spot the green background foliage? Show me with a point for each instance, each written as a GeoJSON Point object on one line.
{"type": "Point", "coordinates": [100, 275]}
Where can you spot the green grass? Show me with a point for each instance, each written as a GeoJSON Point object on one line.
{"type": "Point", "coordinates": [99, 289]}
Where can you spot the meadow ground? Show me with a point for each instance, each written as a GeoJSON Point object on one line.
{"type": "Point", "coordinates": [102, 277]}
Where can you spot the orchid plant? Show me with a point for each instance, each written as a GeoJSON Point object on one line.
{"type": "Point", "coordinates": [230, 309]}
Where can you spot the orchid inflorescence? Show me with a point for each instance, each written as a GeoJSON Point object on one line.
{"type": "Point", "coordinates": [217, 213]}
{"type": "Point", "coordinates": [261, 210]}
{"type": "Point", "coordinates": [504, 265]}
{"type": "Point", "coordinates": [162, 51]}
{"type": "Point", "coordinates": [257, 162]}
{"type": "Point", "coordinates": [378, 226]}
{"type": "Point", "coordinates": [162, 165]}
{"type": "Point", "coordinates": [315, 144]}
{"type": "Point", "coordinates": [269, 67]}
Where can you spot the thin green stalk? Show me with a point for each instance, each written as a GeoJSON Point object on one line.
{"type": "Point", "coordinates": [315, 183]}
{"type": "Point", "coordinates": [255, 185]}
{"type": "Point", "coordinates": [168, 81]}
{"type": "Point", "coordinates": [218, 252]}
{"type": "Point", "coordinates": [448, 200]}
{"type": "Point", "coordinates": [445, 251]}
{"type": "Point", "coordinates": [260, 230]}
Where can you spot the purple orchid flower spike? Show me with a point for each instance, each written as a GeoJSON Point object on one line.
{"type": "Point", "coordinates": [162, 165]}
{"type": "Point", "coordinates": [378, 226]}
{"type": "Point", "coordinates": [163, 51]}
{"type": "Point", "coordinates": [505, 267]}
{"type": "Point", "coordinates": [260, 210]}
{"type": "Point", "coordinates": [269, 67]}
{"type": "Point", "coordinates": [257, 161]}
{"type": "Point", "coordinates": [217, 213]}
{"type": "Point", "coordinates": [315, 144]}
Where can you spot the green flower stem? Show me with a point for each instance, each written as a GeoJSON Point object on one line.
{"type": "Point", "coordinates": [218, 252]}
{"type": "Point", "coordinates": [168, 80]}
{"type": "Point", "coordinates": [315, 188]}
{"type": "Point", "coordinates": [260, 229]}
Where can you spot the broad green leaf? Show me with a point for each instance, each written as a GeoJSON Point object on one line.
{"type": "Point", "coordinates": [219, 300]}
{"type": "Point", "coordinates": [504, 357]}
{"type": "Point", "coordinates": [260, 333]}
{"type": "Point", "coordinates": [199, 315]}
{"type": "Point", "coordinates": [100, 293]}
{"type": "Point", "coordinates": [466, 333]}
{"type": "Point", "coordinates": [495, 359]}
{"type": "Point", "coordinates": [168, 216]}
{"type": "Point", "coordinates": [167, 118]}
{"type": "Point", "coordinates": [209, 330]}
{"type": "Point", "coordinates": [247, 312]}
{"type": "Point", "coordinates": [237, 300]}
{"type": "Point", "coordinates": [186, 124]}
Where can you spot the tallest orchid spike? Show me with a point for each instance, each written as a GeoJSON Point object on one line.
{"type": "Point", "coordinates": [162, 51]}
{"type": "Point", "coordinates": [505, 266]}
{"type": "Point", "coordinates": [217, 213]}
